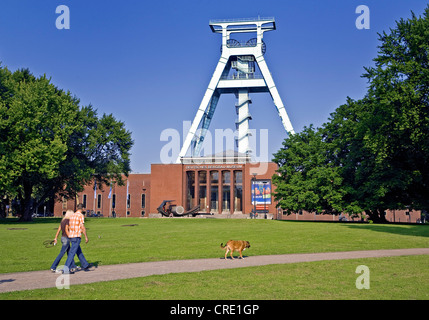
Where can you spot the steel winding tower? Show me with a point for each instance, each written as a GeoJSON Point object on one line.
{"type": "Point", "coordinates": [236, 73]}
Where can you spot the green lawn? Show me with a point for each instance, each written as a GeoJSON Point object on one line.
{"type": "Point", "coordinates": [126, 240]}
{"type": "Point", "coordinates": [398, 278]}
{"type": "Point", "coordinates": [113, 241]}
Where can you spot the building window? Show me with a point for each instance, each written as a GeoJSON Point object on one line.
{"type": "Point", "coordinates": [84, 201]}
{"type": "Point", "coordinates": [113, 201]}
{"type": "Point", "coordinates": [226, 177]}
{"type": "Point", "coordinates": [238, 177]}
{"type": "Point", "coordinates": [128, 201]}
{"type": "Point", "coordinates": [214, 177]}
{"type": "Point", "coordinates": [203, 197]}
{"type": "Point", "coordinates": [98, 201]}
{"type": "Point", "coordinates": [202, 192]}
{"type": "Point", "coordinates": [226, 191]}
{"type": "Point", "coordinates": [202, 177]}
{"type": "Point", "coordinates": [64, 203]}
{"type": "Point", "coordinates": [214, 192]}
{"type": "Point", "coordinates": [226, 203]}
{"type": "Point", "coordinates": [238, 191]}
{"type": "Point", "coordinates": [143, 213]}
{"type": "Point", "coordinates": [214, 199]}
{"type": "Point", "coordinates": [190, 189]}
{"type": "Point", "coordinates": [143, 201]}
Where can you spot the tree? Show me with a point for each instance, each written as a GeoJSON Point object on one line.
{"type": "Point", "coordinates": [50, 146]}
{"type": "Point", "coordinates": [399, 102]}
{"type": "Point", "coordinates": [365, 181]}
{"type": "Point", "coordinates": [307, 179]}
{"type": "Point", "coordinates": [378, 146]}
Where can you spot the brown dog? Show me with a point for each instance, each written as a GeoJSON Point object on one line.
{"type": "Point", "coordinates": [235, 245]}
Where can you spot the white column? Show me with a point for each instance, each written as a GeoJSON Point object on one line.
{"type": "Point", "coordinates": [243, 120]}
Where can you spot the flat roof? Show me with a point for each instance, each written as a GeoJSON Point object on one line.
{"type": "Point", "coordinates": [240, 20]}
{"type": "Point", "coordinates": [243, 24]}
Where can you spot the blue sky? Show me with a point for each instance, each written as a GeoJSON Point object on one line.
{"type": "Point", "coordinates": [149, 63]}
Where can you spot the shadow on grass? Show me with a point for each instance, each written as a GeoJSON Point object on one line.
{"type": "Point", "coordinates": [6, 221]}
{"type": "Point", "coordinates": [404, 230]}
{"type": "Point", "coordinates": [36, 221]}
{"type": "Point", "coordinates": [94, 264]}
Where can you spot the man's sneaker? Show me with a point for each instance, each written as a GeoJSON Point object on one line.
{"type": "Point", "coordinates": [70, 272]}
{"type": "Point", "coordinates": [53, 270]}
{"type": "Point", "coordinates": [89, 266]}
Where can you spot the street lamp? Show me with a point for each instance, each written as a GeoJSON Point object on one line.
{"type": "Point", "coordinates": [254, 195]}
{"type": "Point", "coordinates": [265, 199]}
{"type": "Point", "coordinates": [144, 204]}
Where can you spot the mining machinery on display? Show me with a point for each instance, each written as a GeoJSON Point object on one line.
{"type": "Point", "coordinates": [241, 70]}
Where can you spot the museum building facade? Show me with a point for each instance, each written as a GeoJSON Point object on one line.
{"type": "Point", "coordinates": [208, 187]}
{"type": "Point", "coordinates": [216, 187]}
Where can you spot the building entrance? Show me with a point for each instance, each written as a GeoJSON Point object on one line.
{"type": "Point", "coordinates": [216, 191]}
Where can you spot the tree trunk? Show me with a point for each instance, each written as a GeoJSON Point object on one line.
{"type": "Point", "coordinates": [377, 215]}
{"type": "Point", "coordinates": [3, 211]}
{"type": "Point", "coordinates": [26, 203]}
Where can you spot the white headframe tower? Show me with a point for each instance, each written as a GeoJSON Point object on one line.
{"type": "Point", "coordinates": [236, 73]}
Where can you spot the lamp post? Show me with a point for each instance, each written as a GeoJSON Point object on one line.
{"type": "Point", "coordinates": [254, 196]}
{"type": "Point", "coordinates": [265, 200]}
{"type": "Point", "coordinates": [144, 204]}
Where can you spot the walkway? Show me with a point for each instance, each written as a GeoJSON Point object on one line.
{"type": "Point", "coordinates": [47, 279]}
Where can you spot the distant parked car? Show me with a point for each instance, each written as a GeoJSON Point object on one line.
{"type": "Point", "coordinates": [93, 214]}
{"type": "Point", "coordinates": [41, 215]}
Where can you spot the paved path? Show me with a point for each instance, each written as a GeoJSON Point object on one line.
{"type": "Point", "coordinates": [47, 279]}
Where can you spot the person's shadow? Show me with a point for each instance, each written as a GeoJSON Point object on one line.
{"type": "Point", "coordinates": [7, 280]}
{"type": "Point", "coordinates": [94, 265]}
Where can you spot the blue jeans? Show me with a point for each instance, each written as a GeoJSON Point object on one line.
{"type": "Point", "coordinates": [75, 250]}
{"type": "Point", "coordinates": [64, 248]}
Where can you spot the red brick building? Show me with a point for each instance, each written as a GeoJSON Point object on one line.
{"type": "Point", "coordinates": [108, 202]}
{"type": "Point", "coordinates": [219, 187]}
{"type": "Point", "coordinates": [223, 188]}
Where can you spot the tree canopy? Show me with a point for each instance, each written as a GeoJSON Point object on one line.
{"type": "Point", "coordinates": [374, 151]}
{"type": "Point", "coordinates": [50, 146]}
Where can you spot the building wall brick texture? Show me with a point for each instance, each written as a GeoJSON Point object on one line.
{"type": "Point", "coordinates": [172, 182]}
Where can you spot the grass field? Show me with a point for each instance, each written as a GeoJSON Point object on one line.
{"type": "Point", "coordinates": [398, 278]}
{"type": "Point", "coordinates": [114, 241]}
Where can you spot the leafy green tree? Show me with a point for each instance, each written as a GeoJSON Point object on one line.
{"type": "Point", "coordinates": [378, 147]}
{"type": "Point", "coordinates": [307, 179]}
{"type": "Point", "coordinates": [366, 182]}
{"type": "Point", "coordinates": [398, 131]}
{"type": "Point", "coordinates": [50, 146]}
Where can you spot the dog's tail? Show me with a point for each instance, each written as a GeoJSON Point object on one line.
{"type": "Point", "coordinates": [222, 246]}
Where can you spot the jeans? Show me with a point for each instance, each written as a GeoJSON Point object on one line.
{"type": "Point", "coordinates": [75, 250]}
{"type": "Point", "coordinates": [65, 248]}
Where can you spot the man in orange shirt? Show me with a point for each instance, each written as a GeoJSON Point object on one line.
{"type": "Point", "coordinates": [76, 228]}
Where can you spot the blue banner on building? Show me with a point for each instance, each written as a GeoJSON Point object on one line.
{"type": "Point", "coordinates": [261, 192]}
